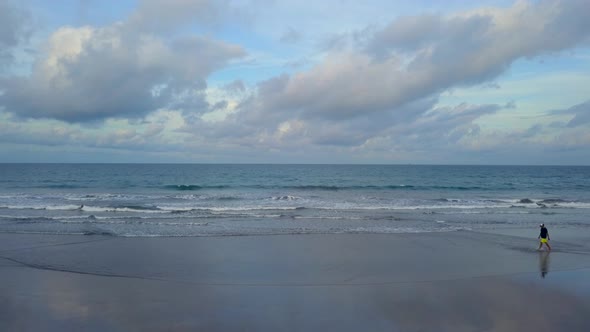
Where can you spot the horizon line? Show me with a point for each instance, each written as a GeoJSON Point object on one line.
{"type": "Point", "coordinates": [286, 164]}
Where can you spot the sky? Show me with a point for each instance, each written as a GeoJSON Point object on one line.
{"type": "Point", "coordinates": [271, 81]}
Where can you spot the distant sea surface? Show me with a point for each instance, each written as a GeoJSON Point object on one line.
{"type": "Point", "coordinates": [218, 200]}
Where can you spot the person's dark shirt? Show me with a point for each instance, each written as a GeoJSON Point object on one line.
{"type": "Point", "coordinates": [543, 233]}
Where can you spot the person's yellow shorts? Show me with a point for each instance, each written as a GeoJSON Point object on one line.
{"type": "Point", "coordinates": [543, 240]}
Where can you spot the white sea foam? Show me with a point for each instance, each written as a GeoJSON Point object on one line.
{"type": "Point", "coordinates": [330, 217]}
{"type": "Point", "coordinates": [286, 198]}
{"type": "Point", "coordinates": [230, 209]}
{"type": "Point", "coordinates": [573, 205]}
{"type": "Point", "coordinates": [397, 230]}
{"type": "Point", "coordinates": [121, 209]}
{"type": "Point", "coordinates": [41, 207]}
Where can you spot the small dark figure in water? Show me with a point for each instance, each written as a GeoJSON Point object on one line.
{"type": "Point", "coordinates": [544, 237]}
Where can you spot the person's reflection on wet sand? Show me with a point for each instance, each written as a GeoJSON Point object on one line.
{"type": "Point", "coordinates": [544, 263]}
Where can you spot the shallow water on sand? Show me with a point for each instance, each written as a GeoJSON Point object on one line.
{"type": "Point", "coordinates": [462, 281]}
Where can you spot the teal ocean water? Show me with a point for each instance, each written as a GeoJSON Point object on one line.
{"type": "Point", "coordinates": [217, 200]}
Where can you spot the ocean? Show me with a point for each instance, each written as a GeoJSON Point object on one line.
{"type": "Point", "coordinates": [132, 200]}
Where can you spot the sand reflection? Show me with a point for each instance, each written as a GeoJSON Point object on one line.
{"type": "Point", "coordinates": [487, 305]}
{"type": "Point", "coordinates": [114, 304]}
{"type": "Point", "coordinates": [544, 263]}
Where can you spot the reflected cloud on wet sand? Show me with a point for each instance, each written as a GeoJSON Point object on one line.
{"type": "Point", "coordinates": [113, 304]}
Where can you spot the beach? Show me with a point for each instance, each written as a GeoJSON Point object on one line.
{"type": "Point", "coordinates": [150, 247]}
{"type": "Point", "coordinates": [454, 281]}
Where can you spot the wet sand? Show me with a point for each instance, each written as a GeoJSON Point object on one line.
{"type": "Point", "coordinates": [458, 281]}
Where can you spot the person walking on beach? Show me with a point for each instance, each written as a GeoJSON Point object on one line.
{"type": "Point", "coordinates": [544, 237]}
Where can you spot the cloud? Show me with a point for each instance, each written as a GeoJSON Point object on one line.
{"type": "Point", "coordinates": [148, 137]}
{"type": "Point", "coordinates": [370, 91]}
{"type": "Point", "coordinates": [448, 130]}
{"type": "Point", "coordinates": [552, 142]}
{"type": "Point", "coordinates": [235, 87]}
{"type": "Point", "coordinates": [418, 57]}
{"type": "Point", "coordinates": [581, 113]}
{"type": "Point", "coordinates": [417, 125]}
{"type": "Point", "coordinates": [15, 27]}
{"type": "Point", "coordinates": [474, 47]}
{"type": "Point", "coordinates": [346, 88]}
{"type": "Point", "coordinates": [359, 93]}
{"type": "Point", "coordinates": [495, 35]}
{"type": "Point", "coordinates": [91, 73]}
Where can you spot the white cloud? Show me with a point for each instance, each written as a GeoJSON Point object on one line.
{"type": "Point", "coordinates": [354, 92]}
{"type": "Point", "coordinates": [92, 73]}
{"type": "Point", "coordinates": [382, 91]}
